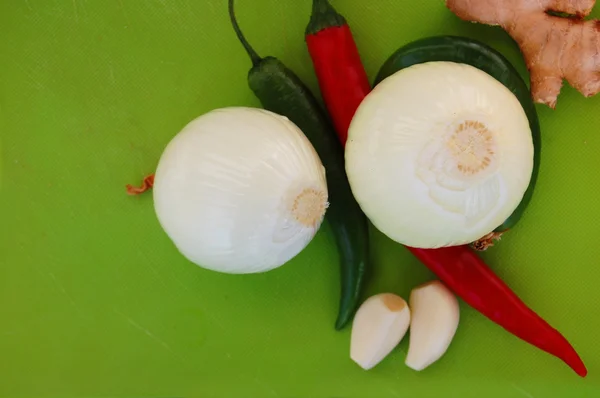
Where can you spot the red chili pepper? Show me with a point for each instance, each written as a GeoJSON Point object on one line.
{"type": "Point", "coordinates": [344, 85]}
{"type": "Point", "coordinates": [340, 72]}
{"type": "Point", "coordinates": [472, 280]}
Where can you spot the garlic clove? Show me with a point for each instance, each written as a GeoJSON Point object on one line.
{"type": "Point", "coordinates": [434, 320]}
{"type": "Point", "coordinates": [379, 325]}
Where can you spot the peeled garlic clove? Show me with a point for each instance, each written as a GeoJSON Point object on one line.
{"type": "Point", "coordinates": [378, 326]}
{"type": "Point", "coordinates": [434, 320]}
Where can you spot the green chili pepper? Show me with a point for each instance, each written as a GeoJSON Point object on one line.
{"type": "Point", "coordinates": [281, 91]}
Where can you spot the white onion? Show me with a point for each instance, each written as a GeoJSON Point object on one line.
{"type": "Point", "coordinates": [439, 154]}
{"type": "Point", "coordinates": [240, 190]}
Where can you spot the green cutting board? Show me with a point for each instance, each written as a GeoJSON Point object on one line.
{"type": "Point", "coordinates": [96, 301]}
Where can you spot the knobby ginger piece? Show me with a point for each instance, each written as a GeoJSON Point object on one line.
{"type": "Point", "coordinates": [554, 47]}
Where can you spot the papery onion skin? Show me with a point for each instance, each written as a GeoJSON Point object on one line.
{"type": "Point", "coordinates": [240, 190]}
{"type": "Point", "coordinates": [439, 154]}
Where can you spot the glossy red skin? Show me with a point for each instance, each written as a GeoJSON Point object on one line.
{"type": "Point", "coordinates": [471, 279]}
{"type": "Point", "coordinates": [341, 75]}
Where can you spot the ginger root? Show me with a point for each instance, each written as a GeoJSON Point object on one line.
{"type": "Point", "coordinates": [554, 47]}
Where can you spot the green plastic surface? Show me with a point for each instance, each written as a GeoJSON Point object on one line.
{"type": "Point", "coordinates": [96, 301]}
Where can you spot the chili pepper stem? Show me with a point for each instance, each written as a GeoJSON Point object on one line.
{"type": "Point", "coordinates": [254, 57]}
{"type": "Point", "coordinates": [320, 6]}
{"type": "Point", "coordinates": [323, 16]}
